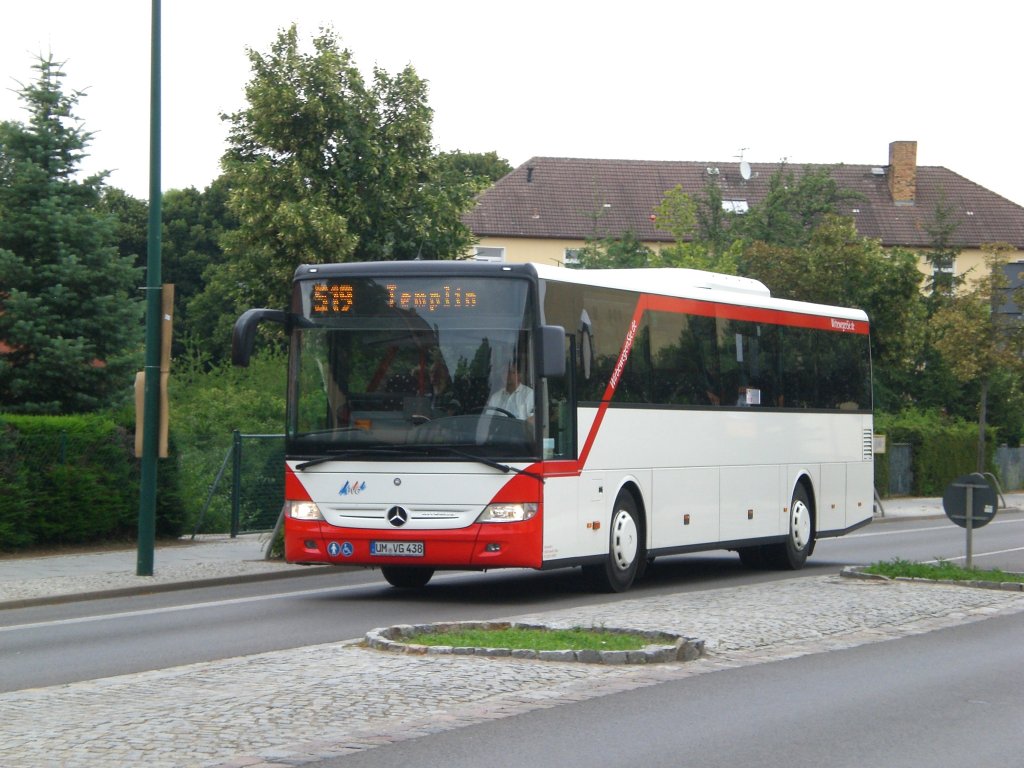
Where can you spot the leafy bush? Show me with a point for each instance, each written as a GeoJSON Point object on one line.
{"type": "Point", "coordinates": [14, 500]}
{"type": "Point", "coordinates": [207, 403]}
{"type": "Point", "coordinates": [71, 480]}
{"type": "Point", "coordinates": [75, 479]}
{"type": "Point", "coordinates": [170, 506]}
{"type": "Point", "coordinates": [943, 449]}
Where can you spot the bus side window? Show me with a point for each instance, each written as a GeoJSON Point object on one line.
{"type": "Point", "coordinates": [560, 428]}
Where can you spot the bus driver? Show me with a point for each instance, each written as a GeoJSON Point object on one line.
{"type": "Point", "coordinates": [515, 398]}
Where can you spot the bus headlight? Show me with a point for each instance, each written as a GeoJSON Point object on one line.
{"type": "Point", "coordinates": [304, 510]}
{"type": "Point", "coordinates": [507, 513]}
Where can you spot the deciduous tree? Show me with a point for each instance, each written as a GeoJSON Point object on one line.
{"type": "Point", "coordinates": [482, 169]}
{"type": "Point", "coordinates": [324, 166]}
{"type": "Point", "coordinates": [975, 341]}
{"type": "Point", "coordinates": [793, 207]}
{"type": "Point", "coordinates": [698, 227]}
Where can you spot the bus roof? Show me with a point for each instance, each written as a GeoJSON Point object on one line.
{"type": "Point", "coordinates": [693, 284]}
{"type": "Point", "coordinates": [662, 281]}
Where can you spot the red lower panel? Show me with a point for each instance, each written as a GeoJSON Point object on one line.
{"type": "Point", "coordinates": [487, 545]}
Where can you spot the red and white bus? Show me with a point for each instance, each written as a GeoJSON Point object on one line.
{"type": "Point", "coordinates": [466, 415]}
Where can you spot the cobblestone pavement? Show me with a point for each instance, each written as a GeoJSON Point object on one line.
{"type": "Point", "coordinates": [298, 706]}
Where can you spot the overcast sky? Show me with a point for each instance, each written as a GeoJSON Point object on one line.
{"type": "Point", "coordinates": [812, 82]}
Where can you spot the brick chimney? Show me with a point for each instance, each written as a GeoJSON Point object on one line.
{"type": "Point", "coordinates": [903, 172]}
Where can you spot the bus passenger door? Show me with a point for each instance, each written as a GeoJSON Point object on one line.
{"type": "Point", "coordinates": [562, 494]}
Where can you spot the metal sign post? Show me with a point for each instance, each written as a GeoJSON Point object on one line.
{"type": "Point", "coordinates": [970, 502]}
{"type": "Point", "coordinates": [970, 527]}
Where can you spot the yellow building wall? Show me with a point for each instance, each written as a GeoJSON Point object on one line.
{"type": "Point", "coordinates": [521, 250]}
{"type": "Point", "coordinates": [970, 264]}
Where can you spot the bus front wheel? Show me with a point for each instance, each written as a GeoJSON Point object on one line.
{"type": "Point", "coordinates": [625, 549]}
{"type": "Point", "coordinates": [406, 577]}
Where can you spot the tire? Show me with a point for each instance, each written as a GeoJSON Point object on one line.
{"type": "Point", "coordinates": [625, 549]}
{"type": "Point", "coordinates": [792, 554]}
{"type": "Point", "coordinates": [406, 577]}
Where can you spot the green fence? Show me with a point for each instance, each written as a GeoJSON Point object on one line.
{"type": "Point", "coordinates": [251, 481]}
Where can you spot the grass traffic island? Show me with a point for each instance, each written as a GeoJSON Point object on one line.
{"type": "Point", "coordinates": [535, 641]}
{"type": "Point", "coordinates": [941, 572]}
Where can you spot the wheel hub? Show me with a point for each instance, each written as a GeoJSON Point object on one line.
{"type": "Point", "coordinates": [800, 525]}
{"type": "Point", "coordinates": [625, 540]}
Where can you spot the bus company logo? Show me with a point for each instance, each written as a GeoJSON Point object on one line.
{"type": "Point", "coordinates": [617, 373]}
{"type": "Point", "coordinates": [843, 325]}
{"type": "Point", "coordinates": [352, 488]}
{"type": "Point", "coordinates": [397, 516]}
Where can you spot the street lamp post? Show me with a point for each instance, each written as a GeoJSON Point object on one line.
{"type": "Point", "coordinates": [151, 392]}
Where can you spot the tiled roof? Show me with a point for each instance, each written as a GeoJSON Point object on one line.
{"type": "Point", "coordinates": [573, 199]}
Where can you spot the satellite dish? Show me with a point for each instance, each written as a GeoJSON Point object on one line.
{"type": "Point", "coordinates": [745, 170]}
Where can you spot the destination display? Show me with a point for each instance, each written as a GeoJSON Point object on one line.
{"type": "Point", "coordinates": [341, 297]}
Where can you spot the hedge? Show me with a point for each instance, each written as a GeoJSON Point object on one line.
{"type": "Point", "coordinates": [943, 449]}
{"type": "Point", "coordinates": [74, 480]}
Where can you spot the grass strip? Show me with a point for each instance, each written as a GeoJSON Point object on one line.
{"type": "Point", "coordinates": [940, 571]}
{"type": "Point", "coordinates": [536, 639]}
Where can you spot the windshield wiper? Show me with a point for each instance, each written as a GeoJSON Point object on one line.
{"type": "Point", "coordinates": [506, 468]}
{"type": "Point", "coordinates": [344, 453]}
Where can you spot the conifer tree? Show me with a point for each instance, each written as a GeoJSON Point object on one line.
{"type": "Point", "coordinates": [69, 306]}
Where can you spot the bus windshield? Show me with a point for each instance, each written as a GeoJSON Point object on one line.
{"type": "Point", "coordinates": [412, 366]}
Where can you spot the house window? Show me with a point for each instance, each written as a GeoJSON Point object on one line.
{"type": "Point", "coordinates": [489, 253]}
{"type": "Point", "coordinates": [943, 275]}
{"type": "Point", "coordinates": [735, 206]}
{"type": "Point", "coordinates": [571, 258]}
{"type": "Point", "coordinates": [1005, 302]}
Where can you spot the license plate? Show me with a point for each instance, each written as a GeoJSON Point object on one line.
{"type": "Point", "coordinates": [396, 548]}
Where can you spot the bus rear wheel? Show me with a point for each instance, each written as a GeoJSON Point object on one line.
{"type": "Point", "coordinates": [625, 549]}
{"type": "Point", "coordinates": [792, 554]}
{"type": "Point", "coordinates": [406, 577]}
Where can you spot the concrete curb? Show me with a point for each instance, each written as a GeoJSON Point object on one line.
{"type": "Point", "coordinates": [165, 586]}
{"type": "Point", "coordinates": [664, 646]}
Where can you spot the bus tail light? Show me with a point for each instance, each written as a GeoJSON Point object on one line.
{"type": "Point", "coordinates": [304, 510]}
{"type": "Point", "coordinates": [507, 513]}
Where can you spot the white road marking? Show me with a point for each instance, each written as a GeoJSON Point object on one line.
{"type": "Point", "coordinates": [948, 526]}
{"type": "Point", "coordinates": [211, 604]}
{"type": "Point", "coordinates": [975, 554]}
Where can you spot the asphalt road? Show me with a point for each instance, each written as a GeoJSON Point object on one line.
{"type": "Point", "coordinates": [942, 699]}
{"type": "Point", "coordinates": [51, 645]}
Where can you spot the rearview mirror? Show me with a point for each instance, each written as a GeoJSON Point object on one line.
{"type": "Point", "coordinates": [243, 335]}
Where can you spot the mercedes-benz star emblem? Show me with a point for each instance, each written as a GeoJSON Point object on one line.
{"type": "Point", "coordinates": [398, 517]}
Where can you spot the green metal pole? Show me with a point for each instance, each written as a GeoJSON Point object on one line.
{"type": "Point", "coordinates": [236, 483]}
{"type": "Point", "coordinates": [151, 390]}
